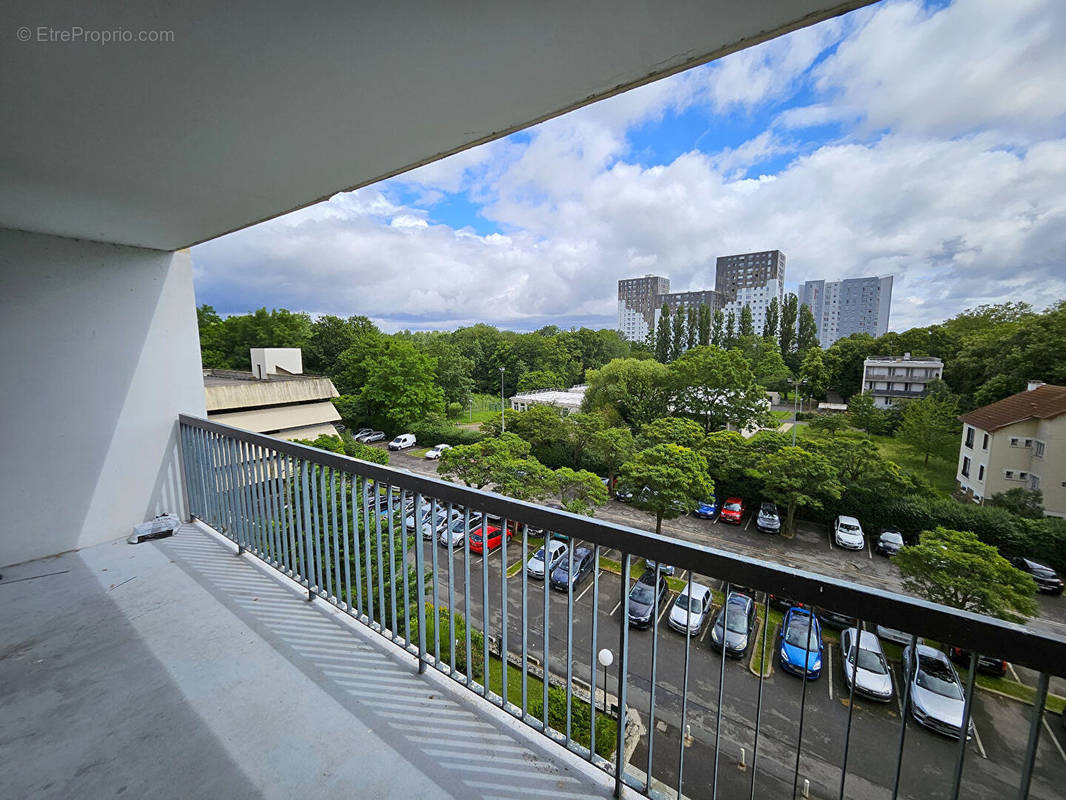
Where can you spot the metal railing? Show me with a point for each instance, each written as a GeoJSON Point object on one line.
{"type": "Point", "coordinates": [355, 535]}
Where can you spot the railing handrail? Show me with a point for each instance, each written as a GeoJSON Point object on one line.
{"type": "Point", "coordinates": [985, 635]}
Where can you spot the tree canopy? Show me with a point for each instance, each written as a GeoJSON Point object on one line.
{"type": "Point", "coordinates": [667, 480]}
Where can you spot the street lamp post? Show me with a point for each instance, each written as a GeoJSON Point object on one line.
{"type": "Point", "coordinates": [606, 658]}
{"type": "Point", "coordinates": [503, 420]}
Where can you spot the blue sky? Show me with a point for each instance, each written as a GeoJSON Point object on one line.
{"type": "Point", "coordinates": [922, 140]}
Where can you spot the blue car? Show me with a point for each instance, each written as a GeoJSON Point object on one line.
{"type": "Point", "coordinates": [706, 509]}
{"type": "Point", "coordinates": [796, 635]}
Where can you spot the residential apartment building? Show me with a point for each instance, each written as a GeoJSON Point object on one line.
{"type": "Point", "coordinates": [274, 398]}
{"type": "Point", "coordinates": [1019, 441]}
{"type": "Point", "coordinates": [892, 378]}
{"type": "Point", "coordinates": [751, 279]}
{"type": "Point", "coordinates": [852, 305]}
{"type": "Point", "coordinates": [682, 301]}
{"type": "Point", "coordinates": [638, 300]}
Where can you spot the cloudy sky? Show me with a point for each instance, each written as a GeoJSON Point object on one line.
{"type": "Point", "coordinates": [921, 140]}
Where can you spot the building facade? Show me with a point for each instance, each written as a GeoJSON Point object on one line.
{"type": "Point", "coordinates": [638, 300]}
{"type": "Point", "coordinates": [682, 301]}
{"type": "Point", "coordinates": [566, 402]}
{"type": "Point", "coordinates": [852, 305]}
{"type": "Point", "coordinates": [274, 398]}
{"type": "Point", "coordinates": [893, 378]}
{"type": "Point", "coordinates": [1019, 441]}
{"type": "Point", "coordinates": [751, 279]}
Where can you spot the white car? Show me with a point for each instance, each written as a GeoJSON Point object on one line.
{"type": "Point", "coordinates": [936, 699]}
{"type": "Point", "coordinates": [556, 553]}
{"type": "Point", "coordinates": [847, 533]}
{"type": "Point", "coordinates": [689, 612]}
{"type": "Point", "coordinates": [870, 673]}
{"type": "Point", "coordinates": [403, 441]}
{"type": "Point", "coordinates": [434, 452]}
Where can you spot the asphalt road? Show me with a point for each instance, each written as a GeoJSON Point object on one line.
{"type": "Point", "coordinates": [993, 759]}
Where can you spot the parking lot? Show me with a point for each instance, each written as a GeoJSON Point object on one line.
{"type": "Point", "coordinates": [993, 756]}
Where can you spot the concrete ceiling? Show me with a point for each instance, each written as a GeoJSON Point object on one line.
{"type": "Point", "coordinates": [258, 108]}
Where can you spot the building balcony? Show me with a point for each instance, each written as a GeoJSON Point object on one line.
{"type": "Point", "coordinates": [173, 667]}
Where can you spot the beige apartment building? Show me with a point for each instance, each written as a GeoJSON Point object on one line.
{"type": "Point", "coordinates": [1019, 441]}
{"type": "Point", "coordinates": [889, 379]}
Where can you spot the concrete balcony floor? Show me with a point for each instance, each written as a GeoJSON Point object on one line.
{"type": "Point", "coordinates": [174, 669]}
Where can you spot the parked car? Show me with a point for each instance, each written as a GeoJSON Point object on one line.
{"type": "Point", "coordinates": [768, 520]}
{"type": "Point", "coordinates": [937, 699]}
{"type": "Point", "coordinates": [403, 441]}
{"type": "Point", "coordinates": [487, 537]}
{"type": "Point", "coordinates": [690, 611]}
{"type": "Point", "coordinates": [623, 494]}
{"type": "Point", "coordinates": [784, 603]}
{"type": "Point", "coordinates": [455, 533]}
{"type": "Point", "coordinates": [1047, 580]}
{"type": "Point", "coordinates": [361, 432]}
{"type": "Point", "coordinates": [373, 436]}
{"type": "Point", "coordinates": [889, 543]}
{"type": "Point", "coordinates": [986, 664]}
{"type": "Point", "coordinates": [864, 662]}
{"type": "Point", "coordinates": [706, 509]}
{"type": "Point", "coordinates": [847, 533]}
{"type": "Point", "coordinates": [800, 643]}
{"type": "Point", "coordinates": [835, 619]}
{"type": "Point", "coordinates": [733, 626]}
{"type": "Point", "coordinates": [584, 561]}
{"type": "Point", "coordinates": [895, 635]}
{"type": "Point", "coordinates": [664, 569]}
{"type": "Point", "coordinates": [434, 452]}
{"type": "Point", "coordinates": [732, 511]}
{"type": "Point", "coordinates": [645, 598]}
{"type": "Point", "coordinates": [557, 551]}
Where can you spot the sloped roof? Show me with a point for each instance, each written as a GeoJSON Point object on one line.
{"type": "Point", "coordinates": [1043, 402]}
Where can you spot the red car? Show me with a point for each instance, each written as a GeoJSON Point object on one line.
{"type": "Point", "coordinates": [732, 511]}
{"type": "Point", "coordinates": [495, 538]}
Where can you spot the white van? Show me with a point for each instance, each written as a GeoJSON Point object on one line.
{"type": "Point", "coordinates": [402, 442]}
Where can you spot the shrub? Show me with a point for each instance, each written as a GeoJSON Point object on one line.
{"type": "Point", "coordinates": [431, 434]}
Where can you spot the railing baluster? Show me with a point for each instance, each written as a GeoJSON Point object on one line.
{"type": "Point", "coordinates": [503, 610]}
{"type": "Point", "coordinates": [467, 597]}
{"type": "Point", "coordinates": [431, 521]}
{"type": "Point", "coordinates": [322, 535]}
{"type": "Point", "coordinates": [187, 469]}
{"type": "Point", "coordinates": [368, 523]}
{"type": "Point", "coordinates": [525, 616]}
{"type": "Point", "coordinates": [345, 493]}
{"type": "Point", "coordinates": [305, 531]}
{"type": "Point", "coordinates": [859, 627]}
{"type": "Point", "coordinates": [758, 702]}
{"type": "Point", "coordinates": [803, 698]}
{"type": "Point", "coordinates": [244, 474]}
{"type": "Point", "coordinates": [967, 709]}
{"type": "Point", "coordinates": [420, 558]}
{"type": "Point", "coordinates": [382, 609]}
{"type": "Point", "coordinates": [256, 497]}
{"type": "Point", "coordinates": [654, 668]}
{"type": "Point", "coordinates": [485, 594]}
{"type": "Point", "coordinates": [546, 643]}
{"type": "Point", "coordinates": [290, 514]}
{"type": "Point", "coordinates": [451, 586]}
{"type": "Point", "coordinates": [594, 652]}
{"type": "Point", "coordinates": [903, 720]}
{"type": "Point", "coordinates": [1034, 735]}
{"type": "Point", "coordinates": [392, 564]}
{"type": "Point", "coordinates": [235, 497]}
{"type": "Point", "coordinates": [623, 677]}
{"type": "Point", "coordinates": [569, 642]}
{"type": "Point", "coordinates": [684, 689]}
{"type": "Point", "coordinates": [271, 512]}
{"type": "Point", "coordinates": [406, 621]}
{"type": "Point", "coordinates": [721, 689]}
{"type": "Point", "coordinates": [335, 524]}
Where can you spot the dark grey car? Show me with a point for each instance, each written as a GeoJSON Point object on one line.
{"type": "Point", "coordinates": [733, 625]}
{"type": "Point", "coordinates": [645, 598]}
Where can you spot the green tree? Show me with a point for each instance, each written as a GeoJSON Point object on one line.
{"type": "Point", "coordinates": [667, 480]}
{"type": "Point", "coordinates": [348, 446]}
{"type": "Point", "coordinates": [399, 388]}
{"type": "Point", "coordinates": [526, 479]}
{"type": "Point", "coordinates": [541, 379]}
{"type": "Point", "coordinates": [787, 333]}
{"type": "Point", "coordinates": [671, 430]}
{"type": "Point", "coordinates": [955, 568]}
{"type": "Point", "coordinates": [541, 426]}
{"type": "Point", "coordinates": [765, 360]}
{"type": "Point", "coordinates": [718, 329]}
{"type": "Point", "coordinates": [636, 391]}
{"type": "Point", "coordinates": [691, 327]}
{"type": "Point", "coordinates": [807, 335]}
{"type": "Point", "coordinates": [747, 327]}
{"type": "Point", "coordinates": [829, 424]}
{"type": "Point", "coordinates": [794, 477]}
{"type": "Point", "coordinates": [814, 373]}
{"type": "Point", "coordinates": [662, 335]}
{"type": "Point", "coordinates": [209, 323]}
{"type": "Point", "coordinates": [729, 336]}
{"type": "Point", "coordinates": [1021, 501]}
{"type": "Point", "coordinates": [844, 360]}
{"type": "Point", "coordinates": [703, 324]}
{"type": "Point", "coordinates": [331, 336]}
{"type": "Point", "coordinates": [350, 370]}
{"type": "Point", "coordinates": [490, 461]}
{"type": "Point", "coordinates": [863, 413]}
{"type": "Point", "coordinates": [580, 491]}
{"type": "Point", "coordinates": [729, 463]}
{"type": "Point", "coordinates": [612, 447]}
{"type": "Point", "coordinates": [773, 319]}
{"type": "Point", "coordinates": [677, 335]}
{"type": "Point", "coordinates": [718, 388]}
{"type": "Point", "coordinates": [930, 425]}
{"type": "Point", "coordinates": [454, 370]}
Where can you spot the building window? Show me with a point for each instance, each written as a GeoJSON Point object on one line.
{"type": "Point", "coordinates": [1014, 441]}
{"type": "Point", "coordinates": [1023, 475]}
{"type": "Point", "coordinates": [981, 472]}
{"type": "Point", "coordinates": [966, 466]}
{"type": "Point", "coordinates": [969, 437]}
{"type": "Point", "coordinates": [984, 443]}
{"type": "Point", "coordinates": [1008, 473]}
{"type": "Point", "coordinates": [1038, 449]}
{"type": "Point", "coordinates": [1034, 483]}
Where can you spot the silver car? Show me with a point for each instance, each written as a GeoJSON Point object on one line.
{"type": "Point", "coordinates": [557, 552]}
{"type": "Point", "coordinates": [847, 533]}
{"type": "Point", "coordinates": [453, 534]}
{"type": "Point", "coordinates": [689, 612]}
{"type": "Point", "coordinates": [937, 700]}
{"type": "Point", "coordinates": [865, 662]}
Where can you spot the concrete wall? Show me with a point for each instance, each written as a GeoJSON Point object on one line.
{"type": "Point", "coordinates": [100, 354]}
{"type": "Point", "coordinates": [236, 395]}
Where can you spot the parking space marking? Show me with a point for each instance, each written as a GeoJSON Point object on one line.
{"type": "Point", "coordinates": [980, 746]}
{"type": "Point", "coordinates": [613, 610]}
{"type": "Point", "coordinates": [830, 540]}
{"type": "Point", "coordinates": [870, 547]}
{"type": "Point", "coordinates": [747, 526]}
{"type": "Point", "coordinates": [1053, 738]}
{"type": "Point", "coordinates": [683, 574]}
{"type": "Point", "coordinates": [576, 599]}
{"type": "Point", "coordinates": [829, 660]}
{"type": "Point", "coordinates": [703, 635]}
{"type": "Point", "coordinates": [669, 601]}
{"type": "Point", "coordinates": [895, 690]}
{"type": "Point", "coordinates": [1014, 672]}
